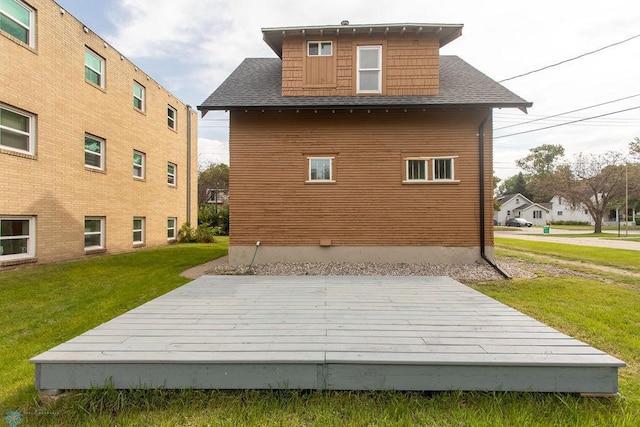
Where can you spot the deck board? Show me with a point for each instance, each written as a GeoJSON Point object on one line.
{"type": "Point", "coordinates": [327, 332]}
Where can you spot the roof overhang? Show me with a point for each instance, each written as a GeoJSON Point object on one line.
{"type": "Point", "coordinates": [275, 36]}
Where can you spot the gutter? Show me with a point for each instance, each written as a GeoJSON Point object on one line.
{"type": "Point", "coordinates": [188, 164]}
{"type": "Point", "coordinates": [483, 237]}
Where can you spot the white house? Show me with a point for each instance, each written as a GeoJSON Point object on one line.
{"type": "Point", "coordinates": [561, 210]}
{"type": "Point", "coordinates": [518, 206]}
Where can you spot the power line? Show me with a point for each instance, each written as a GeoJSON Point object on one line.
{"type": "Point", "coordinates": [571, 59]}
{"type": "Point", "coordinates": [567, 123]}
{"type": "Point", "coordinates": [569, 112]}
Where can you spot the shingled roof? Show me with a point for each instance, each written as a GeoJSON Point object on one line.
{"type": "Point", "coordinates": [257, 84]}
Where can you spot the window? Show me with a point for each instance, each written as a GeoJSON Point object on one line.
{"type": "Point", "coordinates": [320, 169]}
{"type": "Point", "coordinates": [17, 20]}
{"type": "Point", "coordinates": [138, 164]}
{"type": "Point", "coordinates": [537, 214]}
{"type": "Point", "coordinates": [508, 213]}
{"type": "Point", "coordinates": [416, 170]}
{"type": "Point", "coordinates": [172, 171]}
{"type": "Point", "coordinates": [93, 152]}
{"type": "Point", "coordinates": [17, 237]}
{"type": "Point", "coordinates": [442, 169]}
{"type": "Point", "coordinates": [319, 48]}
{"type": "Point", "coordinates": [369, 69]}
{"type": "Point", "coordinates": [138, 231]}
{"type": "Point", "coordinates": [171, 228]}
{"type": "Point", "coordinates": [94, 233]}
{"type": "Point", "coordinates": [138, 96]}
{"type": "Point", "coordinates": [17, 130]}
{"type": "Point", "coordinates": [172, 117]}
{"type": "Point", "coordinates": [559, 213]}
{"type": "Point", "coordinates": [93, 68]}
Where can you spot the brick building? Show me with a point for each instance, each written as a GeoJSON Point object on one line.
{"type": "Point", "coordinates": [96, 156]}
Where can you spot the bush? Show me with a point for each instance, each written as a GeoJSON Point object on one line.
{"type": "Point", "coordinates": [568, 223]}
{"type": "Point", "coordinates": [211, 216]}
{"type": "Point", "coordinates": [201, 234]}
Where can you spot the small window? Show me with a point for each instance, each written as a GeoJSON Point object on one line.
{"type": "Point", "coordinates": [17, 237]}
{"type": "Point", "coordinates": [537, 214]}
{"type": "Point", "coordinates": [94, 233]}
{"type": "Point", "coordinates": [172, 117]}
{"type": "Point", "coordinates": [171, 228]}
{"type": "Point", "coordinates": [172, 171]}
{"type": "Point", "coordinates": [320, 169]}
{"type": "Point", "coordinates": [138, 164]}
{"type": "Point", "coordinates": [93, 152]}
{"type": "Point", "coordinates": [138, 96]}
{"type": "Point", "coordinates": [508, 213]}
{"type": "Point", "coordinates": [559, 213]}
{"type": "Point", "coordinates": [442, 169]}
{"type": "Point", "coordinates": [369, 69]}
{"type": "Point", "coordinates": [17, 19]}
{"type": "Point", "coordinates": [138, 231]}
{"type": "Point", "coordinates": [416, 170]}
{"type": "Point", "coordinates": [320, 48]}
{"type": "Point", "coordinates": [93, 68]}
{"type": "Point", "coordinates": [17, 130]}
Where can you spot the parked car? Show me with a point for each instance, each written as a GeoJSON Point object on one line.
{"type": "Point", "coordinates": [518, 222]}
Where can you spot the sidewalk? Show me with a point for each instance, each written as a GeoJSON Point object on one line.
{"type": "Point", "coordinates": [200, 270]}
{"type": "Point", "coordinates": [580, 241]}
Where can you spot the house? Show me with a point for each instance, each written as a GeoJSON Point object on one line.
{"type": "Point", "coordinates": [360, 143]}
{"type": "Point", "coordinates": [561, 210]}
{"type": "Point", "coordinates": [96, 156]}
{"type": "Point", "coordinates": [518, 206]}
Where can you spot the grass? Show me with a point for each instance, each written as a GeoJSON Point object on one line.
{"type": "Point", "coordinates": [601, 310]}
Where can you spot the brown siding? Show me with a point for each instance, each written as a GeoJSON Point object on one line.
{"type": "Point", "coordinates": [368, 204]}
{"type": "Point", "coordinates": [410, 66]}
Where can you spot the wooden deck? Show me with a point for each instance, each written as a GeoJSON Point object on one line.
{"type": "Point", "coordinates": [327, 332]}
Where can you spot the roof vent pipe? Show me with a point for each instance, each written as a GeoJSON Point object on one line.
{"type": "Point", "coordinates": [345, 22]}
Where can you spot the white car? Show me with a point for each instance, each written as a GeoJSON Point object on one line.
{"type": "Point", "coordinates": [518, 222]}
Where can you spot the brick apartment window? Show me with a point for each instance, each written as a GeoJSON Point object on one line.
{"type": "Point", "coordinates": [171, 228]}
{"type": "Point", "coordinates": [320, 169]}
{"type": "Point", "coordinates": [138, 231]}
{"type": "Point", "coordinates": [537, 214]}
{"type": "Point", "coordinates": [18, 19]}
{"type": "Point", "coordinates": [138, 164]}
{"type": "Point", "coordinates": [93, 67]}
{"type": "Point", "coordinates": [94, 233]}
{"type": "Point", "coordinates": [17, 130]}
{"type": "Point", "coordinates": [94, 152]}
{"type": "Point", "coordinates": [442, 169]}
{"type": "Point", "coordinates": [172, 117]}
{"type": "Point", "coordinates": [319, 48]}
{"type": "Point", "coordinates": [138, 96]}
{"type": "Point", "coordinates": [369, 69]}
{"type": "Point", "coordinates": [416, 170]}
{"type": "Point", "coordinates": [172, 174]}
{"type": "Point", "coordinates": [17, 237]}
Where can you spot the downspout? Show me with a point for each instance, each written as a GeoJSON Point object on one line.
{"type": "Point", "coordinates": [189, 164]}
{"type": "Point", "coordinates": [483, 236]}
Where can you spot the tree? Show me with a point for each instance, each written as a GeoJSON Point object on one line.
{"type": "Point", "coordinates": [216, 176]}
{"type": "Point", "coordinates": [592, 181]}
{"type": "Point", "coordinates": [513, 185]}
{"type": "Point", "coordinates": [634, 148]}
{"type": "Point", "coordinates": [539, 166]}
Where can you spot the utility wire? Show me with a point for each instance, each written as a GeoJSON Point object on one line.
{"type": "Point", "coordinates": [568, 112]}
{"type": "Point", "coordinates": [567, 123]}
{"type": "Point", "coordinates": [571, 59]}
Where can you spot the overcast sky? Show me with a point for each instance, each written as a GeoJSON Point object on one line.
{"type": "Point", "coordinates": [191, 46]}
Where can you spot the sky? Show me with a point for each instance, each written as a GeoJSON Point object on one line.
{"type": "Point", "coordinates": [191, 46]}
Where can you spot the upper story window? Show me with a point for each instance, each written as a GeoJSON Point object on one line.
{"type": "Point", "coordinates": [93, 67]}
{"type": "Point", "coordinates": [138, 96]}
{"type": "Point", "coordinates": [18, 19]}
{"type": "Point", "coordinates": [93, 152]}
{"type": "Point", "coordinates": [172, 172]}
{"type": "Point", "coordinates": [138, 164]}
{"type": "Point", "coordinates": [416, 170]}
{"type": "Point", "coordinates": [17, 130]}
{"type": "Point", "coordinates": [17, 237]}
{"type": "Point", "coordinates": [172, 117]}
{"type": "Point", "coordinates": [320, 169]}
{"type": "Point", "coordinates": [369, 69]}
{"type": "Point", "coordinates": [319, 48]}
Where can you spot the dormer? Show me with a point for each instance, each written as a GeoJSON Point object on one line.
{"type": "Point", "coordinates": [361, 60]}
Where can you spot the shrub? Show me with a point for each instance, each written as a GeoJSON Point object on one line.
{"type": "Point", "coordinates": [568, 223]}
{"type": "Point", "coordinates": [201, 234]}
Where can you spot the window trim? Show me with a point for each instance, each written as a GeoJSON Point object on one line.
{"type": "Point", "coordinates": [319, 43]}
{"type": "Point", "coordinates": [31, 29]}
{"type": "Point", "coordinates": [31, 238]}
{"type": "Point", "coordinates": [101, 233]}
{"type": "Point", "coordinates": [31, 135]}
{"type": "Point", "coordinates": [174, 228]}
{"type": "Point", "coordinates": [101, 73]}
{"type": "Point", "coordinates": [101, 154]}
{"type": "Point", "coordinates": [141, 230]}
{"type": "Point", "coordinates": [331, 179]}
{"type": "Point", "coordinates": [174, 175]}
{"type": "Point", "coordinates": [142, 166]}
{"type": "Point", "coordinates": [142, 100]}
{"type": "Point", "coordinates": [430, 176]}
{"type": "Point", "coordinates": [378, 69]}
{"type": "Point", "coordinates": [173, 119]}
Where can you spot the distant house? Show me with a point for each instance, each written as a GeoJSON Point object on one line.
{"type": "Point", "coordinates": [561, 210]}
{"type": "Point", "coordinates": [518, 206]}
{"type": "Point", "coordinates": [360, 143]}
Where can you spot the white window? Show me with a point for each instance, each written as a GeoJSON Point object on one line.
{"type": "Point", "coordinates": [138, 231]}
{"type": "Point", "coordinates": [93, 67]}
{"type": "Point", "coordinates": [537, 214]}
{"type": "Point", "coordinates": [17, 130]}
{"type": "Point", "coordinates": [94, 233]}
{"type": "Point", "coordinates": [320, 169]}
{"type": "Point", "coordinates": [138, 164]}
{"type": "Point", "coordinates": [429, 169]}
{"type": "Point", "coordinates": [138, 96]}
{"type": "Point", "coordinates": [171, 228]}
{"type": "Point", "coordinates": [93, 152]}
{"type": "Point", "coordinates": [416, 170]}
{"type": "Point", "coordinates": [369, 69]}
{"type": "Point", "coordinates": [18, 20]}
{"type": "Point", "coordinates": [319, 48]}
{"type": "Point", "coordinates": [559, 213]}
{"type": "Point", "coordinates": [443, 169]}
{"type": "Point", "coordinates": [172, 174]}
{"type": "Point", "coordinates": [17, 237]}
{"type": "Point", "coordinates": [172, 117]}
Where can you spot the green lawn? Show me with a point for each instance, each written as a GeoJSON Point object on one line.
{"type": "Point", "coordinates": [44, 306]}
